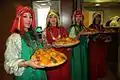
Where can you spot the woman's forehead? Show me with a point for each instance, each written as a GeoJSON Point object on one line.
{"type": "Point", "coordinates": [27, 13]}
{"type": "Point", "coordinates": [78, 15]}
{"type": "Point", "coordinates": [98, 16]}
{"type": "Point", "coordinates": [52, 15]}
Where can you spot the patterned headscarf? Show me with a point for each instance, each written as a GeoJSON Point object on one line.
{"type": "Point", "coordinates": [18, 21]}
{"type": "Point", "coordinates": [53, 13]}
{"type": "Point", "coordinates": [77, 12]}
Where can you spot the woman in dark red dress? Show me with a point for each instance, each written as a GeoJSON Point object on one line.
{"type": "Point", "coordinates": [52, 32]}
{"type": "Point", "coordinates": [97, 49]}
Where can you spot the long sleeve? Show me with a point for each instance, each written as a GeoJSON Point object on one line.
{"type": "Point", "coordinates": [13, 55]}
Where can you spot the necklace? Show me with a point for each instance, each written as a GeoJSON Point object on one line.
{"type": "Point", "coordinates": [53, 37]}
{"type": "Point", "coordinates": [32, 43]}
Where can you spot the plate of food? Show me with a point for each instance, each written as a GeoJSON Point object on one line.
{"type": "Point", "coordinates": [49, 57]}
{"type": "Point", "coordinates": [89, 31]}
{"type": "Point", "coordinates": [108, 31]}
{"type": "Point", "coordinates": [112, 27]}
{"type": "Point", "coordinates": [65, 42]}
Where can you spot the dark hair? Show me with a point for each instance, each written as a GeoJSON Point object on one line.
{"type": "Point", "coordinates": [94, 20]}
{"type": "Point", "coordinates": [18, 31]}
{"type": "Point", "coordinates": [33, 36]}
{"type": "Point", "coordinates": [108, 23]}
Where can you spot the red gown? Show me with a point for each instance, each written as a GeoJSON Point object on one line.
{"type": "Point", "coordinates": [97, 51]}
{"type": "Point", "coordinates": [61, 72]}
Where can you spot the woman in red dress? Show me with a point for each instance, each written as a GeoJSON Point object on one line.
{"type": "Point", "coordinates": [97, 49]}
{"type": "Point", "coordinates": [52, 32]}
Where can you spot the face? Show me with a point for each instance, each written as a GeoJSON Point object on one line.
{"type": "Point", "coordinates": [98, 19]}
{"type": "Point", "coordinates": [27, 20]}
{"type": "Point", "coordinates": [78, 18]}
{"type": "Point", "coordinates": [53, 20]}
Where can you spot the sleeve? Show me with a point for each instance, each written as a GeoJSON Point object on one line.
{"type": "Point", "coordinates": [72, 32]}
{"type": "Point", "coordinates": [12, 55]}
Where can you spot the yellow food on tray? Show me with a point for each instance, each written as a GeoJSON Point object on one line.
{"type": "Point", "coordinates": [66, 42]}
{"type": "Point", "coordinates": [49, 57]}
{"type": "Point", "coordinates": [109, 30]}
{"type": "Point", "coordinates": [89, 31]}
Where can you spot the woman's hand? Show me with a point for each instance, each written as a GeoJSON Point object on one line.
{"type": "Point", "coordinates": [69, 50]}
{"type": "Point", "coordinates": [56, 46]}
{"type": "Point", "coordinates": [108, 39]}
{"type": "Point", "coordinates": [78, 36]}
{"type": "Point", "coordinates": [33, 64]}
{"type": "Point", "coordinates": [105, 38]}
{"type": "Point", "coordinates": [48, 46]}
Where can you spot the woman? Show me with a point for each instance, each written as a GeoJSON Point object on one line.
{"type": "Point", "coordinates": [53, 32]}
{"type": "Point", "coordinates": [21, 45]}
{"type": "Point", "coordinates": [79, 56]}
{"type": "Point", "coordinates": [97, 49]}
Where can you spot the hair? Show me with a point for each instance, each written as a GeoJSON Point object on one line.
{"type": "Point", "coordinates": [48, 25]}
{"type": "Point", "coordinates": [94, 20]}
{"type": "Point", "coordinates": [18, 25]}
{"type": "Point", "coordinates": [77, 12]}
{"type": "Point", "coordinates": [53, 13]}
{"type": "Point", "coordinates": [33, 36]}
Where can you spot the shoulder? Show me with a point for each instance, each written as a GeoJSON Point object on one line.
{"type": "Point", "coordinates": [14, 37]}
{"type": "Point", "coordinates": [63, 28]}
{"type": "Point", "coordinates": [72, 25]}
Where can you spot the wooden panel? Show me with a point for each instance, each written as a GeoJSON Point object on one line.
{"type": "Point", "coordinates": [66, 12]}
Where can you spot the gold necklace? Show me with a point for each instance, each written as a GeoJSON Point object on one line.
{"type": "Point", "coordinates": [53, 37]}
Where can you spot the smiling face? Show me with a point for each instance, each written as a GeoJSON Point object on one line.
{"type": "Point", "coordinates": [53, 20]}
{"type": "Point", "coordinates": [27, 20]}
{"type": "Point", "coordinates": [78, 18]}
{"type": "Point", "coordinates": [98, 19]}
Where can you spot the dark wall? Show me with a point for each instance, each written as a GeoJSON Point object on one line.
{"type": "Point", "coordinates": [8, 8]}
{"type": "Point", "coordinates": [7, 15]}
{"type": "Point", "coordinates": [66, 12]}
{"type": "Point", "coordinates": [112, 54]}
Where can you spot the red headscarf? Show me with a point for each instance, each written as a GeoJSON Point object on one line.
{"type": "Point", "coordinates": [77, 12]}
{"type": "Point", "coordinates": [18, 21]}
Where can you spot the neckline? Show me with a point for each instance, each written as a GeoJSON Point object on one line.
{"type": "Point", "coordinates": [33, 44]}
{"type": "Point", "coordinates": [53, 37]}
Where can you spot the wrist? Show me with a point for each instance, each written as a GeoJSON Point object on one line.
{"type": "Point", "coordinates": [25, 63]}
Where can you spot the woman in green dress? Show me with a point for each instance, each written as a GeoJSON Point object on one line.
{"type": "Point", "coordinates": [79, 56]}
{"type": "Point", "coordinates": [20, 45]}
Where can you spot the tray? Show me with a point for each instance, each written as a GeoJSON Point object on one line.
{"type": "Point", "coordinates": [49, 57]}
{"type": "Point", "coordinates": [65, 42]}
